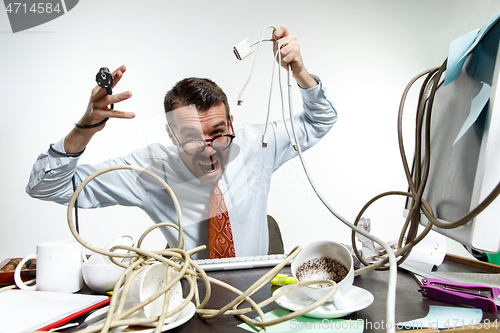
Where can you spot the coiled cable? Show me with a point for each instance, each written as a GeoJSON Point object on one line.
{"type": "Point", "coordinates": [178, 260]}
{"type": "Point", "coordinates": [391, 292]}
{"type": "Point", "coordinates": [418, 180]}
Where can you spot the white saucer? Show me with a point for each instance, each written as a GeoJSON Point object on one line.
{"type": "Point", "coordinates": [355, 300]}
{"type": "Point", "coordinates": [185, 314]}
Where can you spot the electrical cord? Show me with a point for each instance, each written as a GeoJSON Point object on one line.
{"type": "Point", "coordinates": [405, 252]}
{"type": "Point", "coordinates": [94, 125]}
{"type": "Point", "coordinates": [264, 40]}
{"type": "Point", "coordinates": [264, 135]}
{"type": "Point", "coordinates": [417, 181]}
{"type": "Point", "coordinates": [391, 292]}
{"type": "Point", "coordinates": [57, 152]}
{"type": "Point", "coordinates": [105, 80]}
{"type": "Point", "coordinates": [173, 257]}
{"type": "Point", "coordinates": [77, 223]}
{"type": "Point", "coordinates": [242, 93]}
{"type": "Point", "coordinates": [178, 260]}
{"type": "Point", "coordinates": [277, 59]}
{"type": "Point", "coordinates": [60, 153]}
{"type": "Point", "coordinates": [290, 138]}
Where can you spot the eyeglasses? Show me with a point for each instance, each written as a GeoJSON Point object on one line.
{"type": "Point", "coordinates": [197, 146]}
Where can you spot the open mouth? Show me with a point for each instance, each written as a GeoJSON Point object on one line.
{"type": "Point", "coordinates": [209, 166]}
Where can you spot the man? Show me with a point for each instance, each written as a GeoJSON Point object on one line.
{"type": "Point", "coordinates": [209, 156]}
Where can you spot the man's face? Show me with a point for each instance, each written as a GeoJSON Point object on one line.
{"type": "Point", "coordinates": [188, 124]}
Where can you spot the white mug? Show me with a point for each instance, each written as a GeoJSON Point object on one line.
{"type": "Point", "coordinates": [58, 267]}
{"type": "Point", "coordinates": [326, 249]}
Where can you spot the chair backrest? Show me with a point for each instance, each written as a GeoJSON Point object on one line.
{"type": "Point", "coordinates": [275, 240]}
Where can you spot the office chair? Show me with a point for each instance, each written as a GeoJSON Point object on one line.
{"type": "Point", "coordinates": [275, 240]}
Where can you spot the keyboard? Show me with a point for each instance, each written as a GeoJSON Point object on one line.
{"type": "Point", "coordinates": [224, 264]}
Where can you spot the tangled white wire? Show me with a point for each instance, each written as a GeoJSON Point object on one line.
{"type": "Point", "coordinates": [178, 260]}
{"type": "Point", "coordinates": [391, 292]}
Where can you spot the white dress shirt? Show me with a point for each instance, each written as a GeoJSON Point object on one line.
{"type": "Point", "coordinates": [245, 182]}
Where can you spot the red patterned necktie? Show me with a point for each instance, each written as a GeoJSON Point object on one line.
{"type": "Point", "coordinates": [220, 236]}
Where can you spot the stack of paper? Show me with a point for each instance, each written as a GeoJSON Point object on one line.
{"type": "Point", "coordinates": [24, 311]}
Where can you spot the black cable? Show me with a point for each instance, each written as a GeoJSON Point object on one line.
{"type": "Point", "coordinates": [105, 80]}
{"type": "Point", "coordinates": [57, 152]}
{"type": "Point", "coordinates": [94, 125]}
{"type": "Point", "coordinates": [76, 205]}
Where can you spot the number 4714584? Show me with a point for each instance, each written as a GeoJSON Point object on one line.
{"type": "Point", "coordinates": [36, 8]}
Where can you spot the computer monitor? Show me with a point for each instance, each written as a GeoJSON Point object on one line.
{"type": "Point", "coordinates": [461, 175]}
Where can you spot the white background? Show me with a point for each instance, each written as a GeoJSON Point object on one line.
{"type": "Point", "coordinates": [364, 51]}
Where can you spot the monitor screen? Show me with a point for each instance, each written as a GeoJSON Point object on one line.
{"type": "Point", "coordinates": [462, 173]}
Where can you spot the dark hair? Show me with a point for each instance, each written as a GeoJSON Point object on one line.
{"type": "Point", "coordinates": [203, 93]}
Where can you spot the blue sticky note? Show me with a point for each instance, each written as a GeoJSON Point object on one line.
{"type": "Point", "coordinates": [476, 107]}
{"type": "Point", "coordinates": [462, 46]}
{"type": "Point", "coordinates": [441, 317]}
{"type": "Point", "coordinates": [458, 48]}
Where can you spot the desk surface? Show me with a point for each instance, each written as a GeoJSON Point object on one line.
{"type": "Point", "coordinates": [409, 302]}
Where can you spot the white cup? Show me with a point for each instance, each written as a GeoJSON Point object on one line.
{"type": "Point", "coordinates": [319, 250]}
{"type": "Point", "coordinates": [58, 267]}
{"type": "Point", "coordinates": [101, 278]}
{"type": "Point", "coordinates": [99, 273]}
{"type": "Point", "coordinates": [98, 259]}
{"type": "Point", "coordinates": [146, 284]}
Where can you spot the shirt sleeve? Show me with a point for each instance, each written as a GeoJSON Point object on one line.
{"type": "Point", "coordinates": [317, 118]}
{"type": "Point", "coordinates": [52, 176]}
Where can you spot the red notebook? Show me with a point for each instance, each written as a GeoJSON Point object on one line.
{"type": "Point", "coordinates": [25, 311]}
